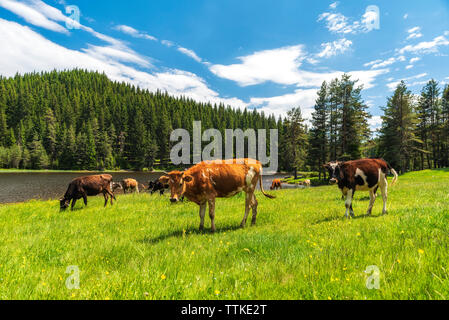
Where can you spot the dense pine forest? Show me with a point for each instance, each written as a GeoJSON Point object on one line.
{"type": "Point", "coordinates": [81, 120]}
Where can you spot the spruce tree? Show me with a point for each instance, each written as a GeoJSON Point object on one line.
{"type": "Point", "coordinates": [318, 141]}
{"type": "Point", "coordinates": [397, 136]}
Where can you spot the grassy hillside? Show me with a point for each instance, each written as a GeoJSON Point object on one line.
{"type": "Point", "coordinates": [302, 248]}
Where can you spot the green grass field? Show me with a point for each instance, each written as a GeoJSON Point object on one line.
{"type": "Point", "coordinates": [301, 248]}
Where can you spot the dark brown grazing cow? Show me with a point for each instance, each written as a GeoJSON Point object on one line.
{"type": "Point", "coordinates": [209, 180]}
{"type": "Point", "coordinates": [88, 186]}
{"type": "Point", "coordinates": [361, 175]}
{"type": "Point", "coordinates": [277, 184]}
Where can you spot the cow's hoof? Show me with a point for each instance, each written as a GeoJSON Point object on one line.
{"type": "Point", "coordinates": [243, 226]}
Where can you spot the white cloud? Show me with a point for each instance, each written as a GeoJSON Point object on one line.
{"type": "Point", "coordinates": [118, 54]}
{"type": "Point", "coordinates": [333, 48]}
{"type": "Point", "coordinates": [282, 66]}
{"type": "Point", "coordinates": [413, 30]}
{"type": "Point", "coordinates": [376, 64]}
{"type": "Point", "coordinates": [405, 16]}
{"type": "Point", "coordinates": [334, 5]}
{"type": "Point", "coordinates": [33, 15]}
{"type": "Point", "coordinates": [426, 46]}
{"type": "Point", "coordinates": [167, 43]}
{"type": "Point", "coordinates": [133, 32]}
{"type": "Point", "coordinates": [368, 64]}
{"type": "Point", "coordinates": [24, 50]}
{"type": "Point", "coordinates": [338, 23]}
{"type": "Point", "coordinates": [190, 53]}
{"type": "Point", "coordinates": [392, 85]}
{"type": "Point", "coordinates": [40, 14]}
{"type": "Point", "coordinates": [410, 66]}
{"type": "Point", "coordinates": [413, 60]}
{"type": "Point", "coordinates": [414, 33]}
{"type": "Point", "coordinates": [276, 65]}
{"type": "Point", "coordinates": [375, 122]}
{"type": "Point", "coordinates": [280, 105]}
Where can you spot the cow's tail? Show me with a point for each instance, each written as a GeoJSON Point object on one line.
{"type": "Point", "coordinates": [261, 188]}
{"type": "Point", "coordinates": [395, 174]}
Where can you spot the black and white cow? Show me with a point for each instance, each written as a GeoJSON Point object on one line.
{"type": "Point", "coordinates": [361, 175]}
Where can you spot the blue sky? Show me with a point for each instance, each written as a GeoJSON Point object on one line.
{"type": "Point", "coordinates": [270, 55]}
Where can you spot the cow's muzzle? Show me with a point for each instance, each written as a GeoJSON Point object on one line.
{"type": "Point", "coordinates": [333, 181]}
{"type": "Point", "coordinates": [173, 200]}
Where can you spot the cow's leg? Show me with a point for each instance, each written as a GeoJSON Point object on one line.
{"type": "Point", "coordinates": [73, 204]}
{"type": "Point", "coordinates": [212, 214]}
{"type": "Point", "coordinates": [106, 198]}
{"type": "Point", "coordinates": [85, 199]}
{"type": "Point", "coordinates": [254, 204]}
{"type": "Point", "coordinates": [112, 196]}
{"type": "Point", "coordinates": [349, 203]}
{"type": "Point", "coordinates": [202, 215]}
{"type": "Point", "coordinates": [384, 190]}
{"type": "Point", "coordinates": [372, 199]}
{"type": "Point", "coordinates": [247, 208]}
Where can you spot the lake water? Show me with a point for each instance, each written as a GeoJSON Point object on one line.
{"type": "Point", "coordinates": [21, 187]}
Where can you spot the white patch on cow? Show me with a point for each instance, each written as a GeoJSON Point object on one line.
{"type": "Point", "coordinates": [204, 176]}
{"type": "Point", "coordinates": [365, 187]}
{"type": "Point", "coordinates": [250, 176]}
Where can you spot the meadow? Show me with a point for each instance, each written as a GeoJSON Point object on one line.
{"type": "Point", "coordinates": [301, 248]}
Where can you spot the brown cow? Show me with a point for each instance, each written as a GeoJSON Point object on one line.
{"type": "Point", "coordinates": [130, 184]}
{"type": "Point", "coordinates": [209, 180]}
{"type": "Point", "coordinates": [361, 175]}
{"type": "Point", "coordinates": [87, 186]}
{"type": "Point", "coordinates": [276, 184]}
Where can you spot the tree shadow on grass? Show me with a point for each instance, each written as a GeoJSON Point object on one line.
{"type": "Point", "coordinates": [187, 233]}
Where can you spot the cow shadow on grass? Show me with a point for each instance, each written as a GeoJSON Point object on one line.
{"type": "Point", "coordinates": [343, 218]}
{"type": "Point", "coordinates": [187, 233]}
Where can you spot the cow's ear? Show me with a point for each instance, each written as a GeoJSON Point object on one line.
{"type": "Point", "coordinates": [164, 179]}
{"type": "Point", "coordinates": [326, 166]}
{"type": "Point", "coordinates": [188, 178]}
